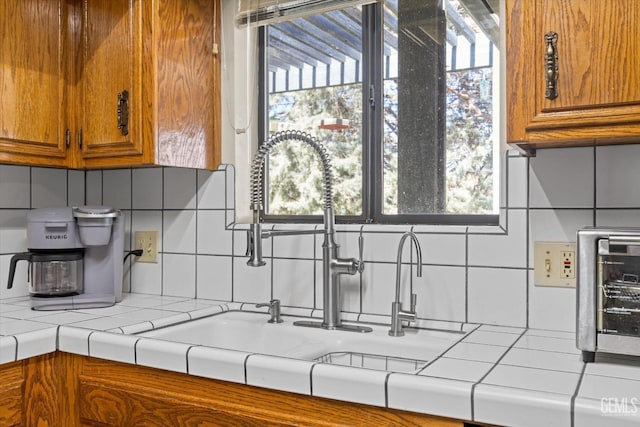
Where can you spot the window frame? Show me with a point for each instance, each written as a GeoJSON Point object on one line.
{"type": "Point", "coordinates": [372, 130]}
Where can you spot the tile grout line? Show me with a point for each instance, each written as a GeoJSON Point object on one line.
{"type": "Point", "coordinates": [386, 390]}
{"type": "Point", "coordinates": [441, 355]}
{"type": "Point", "coordinates": [575, 394]}
{"type": "Point", "coordinates": [195, 291]}
{"type": "Point", "coordinates": [89, 343]}
{"type": "Point", "coordinates": [497, 362]}
{"type": "Point", "coordinates": [527, 251]}
{"type": "Point", "coordinates": [466, 275]}
{"type": "Point", "coordinates": [15, 355]}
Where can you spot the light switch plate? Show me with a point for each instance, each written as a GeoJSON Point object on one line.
{"type": "Point", "coordinates": [554, 264]}
{"type": "Point", "coordinates": [148, 242]}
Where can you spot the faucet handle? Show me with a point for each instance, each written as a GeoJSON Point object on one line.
{"type": "Point", "coordinates": [249, 244]}
{"type": "Point", "coordinates": [360, 262]}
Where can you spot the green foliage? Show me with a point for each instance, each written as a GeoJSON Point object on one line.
{"type": "Point", "coordinates": [295, 174]}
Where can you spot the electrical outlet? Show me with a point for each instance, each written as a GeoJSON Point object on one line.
{"type": "Point", "coordinates": [554, 264]}
{"type": "Point", "coordinates": [568, 265]}
{"type": "Point", "coordinates": [148, 242]}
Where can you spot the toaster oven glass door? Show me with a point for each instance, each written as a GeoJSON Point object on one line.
{"type": "Point", "coordinates": [618, 293]}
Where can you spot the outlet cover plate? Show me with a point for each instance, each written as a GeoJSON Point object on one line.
{"type": "Point", "coordinates": [554, 264]}
{"type": "Point", "coordinates": [148, 242]}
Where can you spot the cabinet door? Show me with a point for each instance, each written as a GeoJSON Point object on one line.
{"type": "Point", "coordinates": [11, 389]}
{"type": "Point", "coordinates": [598, 71]}
{"type": "Point", "coordinates": [598, 60]}
{"type": "Point", "coordinates": [109, 72]}
{"type": "Point", "coordinates": [33, 86]}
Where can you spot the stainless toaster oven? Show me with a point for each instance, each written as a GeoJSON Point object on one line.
{"type": "Point", "coordinates": [608, 292]}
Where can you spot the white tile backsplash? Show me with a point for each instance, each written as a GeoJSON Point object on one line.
{"type": "Point", "coordinates": [48, 188]}
{"type": "Point", "coordinates": [179, 190]}
{"type": "Point", "coordinates": [116, 188]}
{"type": "Point", "coordinates": [211, 189]}
{"type": "Point", "coordinates": [293, 282]}
{"type": "Point", "coordinates": [562, 178]}
{"type": "Point", "coordinates": [551, 308]}
{"type": "Point", "coordinates": [15, 187]}
{"type": "Point", "coordinates": [179, 275]}
{"type": "Point", "coordinates": [502, 249]}
{"type": "Point", "coordinates": [147, 188]}
{"type": "Point", "coordinates": [213, 238]}
{"type": "Point", "coordinates": [93, 187]}
{"type": "Point", "coordinates": [517, 182]}
{"type": "Point", "coordinates": [475, 274]}
{"type": "Point", "coordinates": [617, 176]}
{"type": "Point", "coordinates": [618, 218]}
{"type": "Point", "coordinates": [497, 296]}
{"type": "Point", "coordinates": [444, 249]}
{"type": "Point", "coordinates": [378, 287]}
{"type": "Point", "coordinates": [13, 230]}
{"type": "Point", "coordinates": [75, 188]}
{"type": "Point", "coordinates": [214, 277]}
{"type": "Point", "coordinates": [441, 293]}
{"type": "Point", "coordinates": [179, 231]}
{"type": "Point", "coordinates": [251, 284]}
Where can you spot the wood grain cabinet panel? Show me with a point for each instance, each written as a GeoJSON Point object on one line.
{"type": "Point", "coordinates": [118, 394]}
{"type": "Point", "coordinates": [161, 53]}
{"type": "Point", "coordinates": [66, 390]}
{"type": "Point", "coordinates": [110, 83]}
{"type": "Point", "coordinates": [33, 70]}
{"type": "Point", "coordinates": [11, 383]}
{"type": "Point", "coordinates": [598, 70]}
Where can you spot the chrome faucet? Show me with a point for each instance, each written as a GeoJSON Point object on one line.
{"type": "Point", "coordinates": [398, 315]}
{"type": "Point", "coordinates": [274, 310]}
{"type": "Point", "coordinates": [332, 265]}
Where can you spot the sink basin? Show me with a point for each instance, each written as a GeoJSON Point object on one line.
{"type": "Point", "coordinates": [250, 332]}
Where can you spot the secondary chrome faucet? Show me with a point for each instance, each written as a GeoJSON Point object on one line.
{"type": "Point", "coordinates": [397, 313]}
{"type": "Point", "coordinates": [274, 310]}
{"type": "Point", "coordinates": [332, 265]}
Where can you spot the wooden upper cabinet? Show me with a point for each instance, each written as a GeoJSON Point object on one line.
{"type": "Point", "coordinates": [33, 68]}
{"type": "Point", "coordinates": [110, 83]}
{"type": "Point", "coordinates": [159, 56]}
{"type": "Point", "coordinates": [598, 73]}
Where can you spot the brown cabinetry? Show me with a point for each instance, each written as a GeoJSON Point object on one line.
{"type": "Point", "coordinates": [11, 381]}
{"type": "Point", "coordinates": [66, 390]}
{"type": "Point", "coordinates": [110, 83]}
{"type": "Point", "coordinates": [597, 91]}
{"type": "Point", "coordinates": [34, 43]}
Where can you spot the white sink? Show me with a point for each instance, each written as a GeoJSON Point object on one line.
{"type": "Point", "coordinates": [250, 332]}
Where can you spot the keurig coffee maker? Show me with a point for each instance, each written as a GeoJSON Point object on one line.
{"type": "Point", "coordinates": [75, 257]}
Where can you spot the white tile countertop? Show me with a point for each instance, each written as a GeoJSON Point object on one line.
{"type": "Point", "coordinates": [495, 375]}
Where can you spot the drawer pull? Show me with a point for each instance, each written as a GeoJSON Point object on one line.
{"type": "Point", "coordinates": [551, 64]}
{"type": "Point", "coordinates": [123, 112]}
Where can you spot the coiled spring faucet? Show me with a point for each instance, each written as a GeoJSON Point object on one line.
{"type": "Point", "coordinates": [332, 265]}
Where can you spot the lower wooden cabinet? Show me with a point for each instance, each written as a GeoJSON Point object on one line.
{"type": "Point", "coordinates": [11, 382]}
{"type": "Point", "coordinates": [61, 389]}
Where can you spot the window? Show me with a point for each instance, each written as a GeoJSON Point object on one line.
{"type": "Point", "coordinates": [402, 95]}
